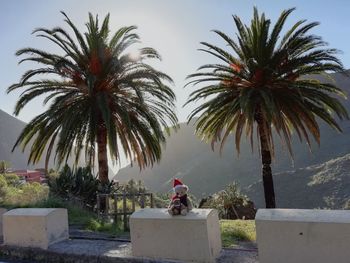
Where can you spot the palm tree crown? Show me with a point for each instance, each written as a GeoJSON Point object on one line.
{"type": "Point", "coordinates": [266, 82]}
{"type": "Point", "coordinates": [98, 93]}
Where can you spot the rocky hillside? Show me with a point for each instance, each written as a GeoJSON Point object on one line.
{"type": "Point", "coordinates": [325, 185]}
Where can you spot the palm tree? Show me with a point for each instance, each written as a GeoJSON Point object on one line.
{"type": "Point", "coordinates": [98, 94]}
{"type": "Point", "coordinates": [267, 82]}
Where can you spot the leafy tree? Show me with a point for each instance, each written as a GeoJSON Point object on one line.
{"type": "Point", "coordinates": [266, 82]}
{"type": "Point", "coordinates": [99, 96]}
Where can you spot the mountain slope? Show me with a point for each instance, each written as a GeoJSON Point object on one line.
{"type": "Point", "coordinates": [10, 128]}
{"type": "Point", "coordinates": [324, 185]}
{"type": "Point", "coordinates": [206, 172]}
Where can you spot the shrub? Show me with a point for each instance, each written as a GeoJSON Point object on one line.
{"type": "Point", "coordinates": [234, 231]}
{"type": "Point", "coordinates": [52, 202]}
{"type": "Point", "coordinates": [76, 214]}
{"type": "Point", "coordinates": [78, 185]}
{"type": "Point", "coordinates": [25, 195]}
{"type": "Point", "coordinates": [161, 200]}
{"type": "Point", "coordinates": [4, 166]}
{"type": "Point", "coordinates": [231, 203]}
{"type": "Point", "coordinates": [13, 193]}
{"type": "Point", "coordinates": [93, 225]}
{"type": "Point", "coordinates": [3, 187]}
{"type": "Point", "coordinates": [12, 179]}
{"type": "Point", "coordinates": [101, 226]}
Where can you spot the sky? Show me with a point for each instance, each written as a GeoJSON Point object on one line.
{"type": "Point", "coordinates": [174, 28]}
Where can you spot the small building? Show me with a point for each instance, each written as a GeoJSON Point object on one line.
{"type": "Point", "coordinates": [31, 176]}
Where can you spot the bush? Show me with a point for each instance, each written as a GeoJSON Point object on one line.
{"type": "Point", "coordinates": [15, 194]}
{"type": "Point", "coordinates": [25, 195]}
{"type": "Point", "coordinates": [3, 188]}
{"type": "Point", "coordinates": [76, 214]}
{"type": "Point", "coordinates": [161, 200]}
{"type": "Point", "coordinates": [101, 226]}
{"type": "Point", "coordinates": [231, 203]}
{"type": "Point", "coordinates": [4, 166]}
{"type": "Point", "coordinates": [12, 179]}
{"type": "Point", "coordinates": [93, 225]}
{"type": "Point", "coordinates": [52, 202]}
{"type": "Point", "coordinates": [234, 231]}
{"type": "Point", "coordinates": [78, 185]}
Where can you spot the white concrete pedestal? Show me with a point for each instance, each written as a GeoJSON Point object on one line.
{"type": "Point", "coordinates": [194, 237]}
{"type": "Point", "coordinates": [303, 236]}
{"type": "Point", "coordinates": [2, 211]}
{"type": "Point", "coordinates": [35, 227]}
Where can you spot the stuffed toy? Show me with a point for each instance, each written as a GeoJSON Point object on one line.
{"type": "Point", "coordinates": [180, 204]}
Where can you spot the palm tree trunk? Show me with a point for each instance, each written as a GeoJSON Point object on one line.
{"type": "Point", "coordinates": [269, 190]}
{"type": "Point", "coordinates": [102, 155]}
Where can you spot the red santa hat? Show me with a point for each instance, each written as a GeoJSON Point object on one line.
{"type": "Point", "coordinates": [178, 183]}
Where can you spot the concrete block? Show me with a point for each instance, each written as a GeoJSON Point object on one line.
{"type": "Point", "coordinates": [194, 237]}
{"type": "Point", "coordinates": [303, 236]}
{"type": "Point", "coordinates": [35, 227]}
{"type": "Point", "coordinates": [2, 211]}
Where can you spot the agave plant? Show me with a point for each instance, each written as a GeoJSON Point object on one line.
{"type": "Point", "coordinates": [98, 95]}
{"type": "Point", "coordinates": [79, 184]}
{"type": "Point", "coordinates": [266, 82]}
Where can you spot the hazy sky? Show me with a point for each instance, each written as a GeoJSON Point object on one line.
{"type": "Point", "coordinates": [174, 28]}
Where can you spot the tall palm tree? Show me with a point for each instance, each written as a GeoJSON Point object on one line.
{"type": "Point", "coordinates": [98, 95]}
{"type": "Point", "coordinates": [267, 82]}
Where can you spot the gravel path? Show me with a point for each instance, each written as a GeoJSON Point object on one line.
{"type": "Point", "coordinates": [239, 256]}
{"type": "Point", "coordinates": [105, 251]}
{"type": "Point", "coordinates": [85, 246]}
{"type": "Point", "coordinates": [15, 261]}
{"type": "Point", "coordinates": [117, 249]}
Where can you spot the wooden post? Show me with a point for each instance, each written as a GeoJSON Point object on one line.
{"type": "Point", "coordinates": [142, 200]}
{"type": "Point", "coordinates": [115, 209]}
{"type": "Point", "coordinates": [98, 205]}
{"type": "Point", "coordinates": [107, 205]}
{"type": "Point", "coordinates": [105, 208]}
{"type": "Point", "coordinates": [124, 212]}
{"type": "Point", "coordinates": [133, 202]}
{"type": "Point", "coordinates": [152, 201]}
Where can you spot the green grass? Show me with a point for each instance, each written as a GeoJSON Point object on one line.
{"type": "Point", "coordinates": [80, 216]}
{"type": "Point", "coordinates": [109, 228]}
{"type": "Point", "coordinates": [76, 214]}
{"type": "Point", "coordinates": [233, 231]}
